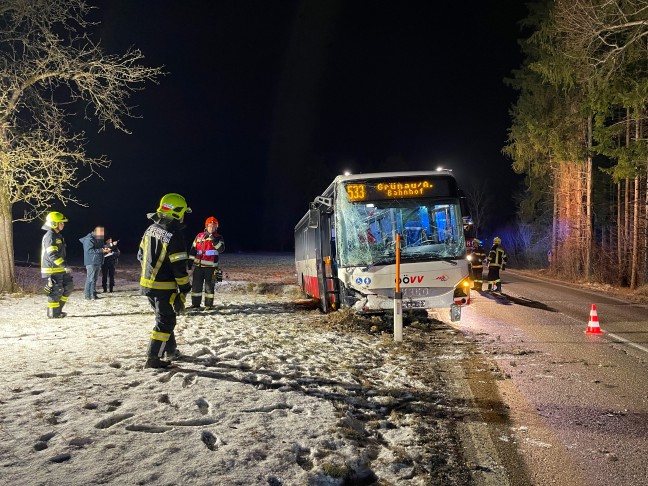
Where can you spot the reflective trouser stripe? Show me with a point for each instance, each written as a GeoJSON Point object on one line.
{"type": "Point", "coordinates": [53, 305]}
{"type": "Point", "coordinates": [209, 296]}
{"type": "Point", "coordinates": [64, 299]}
{"type": "Point", "coordinates": [160, 336]}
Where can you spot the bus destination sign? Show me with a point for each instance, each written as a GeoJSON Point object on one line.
{"type": "Point", "coordinates": [394, 189]}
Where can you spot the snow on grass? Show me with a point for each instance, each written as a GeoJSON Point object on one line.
{"type": "Point", "coordinates": [270, 391]}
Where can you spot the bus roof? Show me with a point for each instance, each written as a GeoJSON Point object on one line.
{"type": "Point", "coordinates": [383, 175]}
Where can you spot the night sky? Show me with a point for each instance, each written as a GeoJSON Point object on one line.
{"type": "Point", "coordinates": [265, 102]}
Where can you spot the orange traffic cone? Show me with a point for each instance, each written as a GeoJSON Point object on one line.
{"type": "Point", "coordinates": [593, 324]}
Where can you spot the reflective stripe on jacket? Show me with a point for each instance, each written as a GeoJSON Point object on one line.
{"type": "Point", "coordinates": [497, 256]}
{"type": "Point", "coordinates": [163, 255]}
{"type": "Point", "coordinates": [52, 252]}
{"type": "Point", "coordinates": [478, 257]}
{"type": "Point", "coordinates": [205, 249]}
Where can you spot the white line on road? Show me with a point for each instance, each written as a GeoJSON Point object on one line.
{"type": "Point", "coordinates": [612, 335]}
{"type": "Point", "coordinates": [629, 343]}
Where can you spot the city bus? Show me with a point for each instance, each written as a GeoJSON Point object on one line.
{"type": "Point", "coordinates": [345, 245]}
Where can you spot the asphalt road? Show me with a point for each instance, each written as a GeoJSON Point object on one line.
{"type": "Point", "coordinates": [578, 402]}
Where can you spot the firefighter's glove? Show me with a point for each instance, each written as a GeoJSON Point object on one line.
{"type": "Point", "coordinates": [219, 275]}
{"type": "Point", "coordinates": [185, 289]}
{"type": "Point", "coordinates": [503, 267]}
{"type": "Point", "coordinates": [49, 286]}
{"type": "Point", "coordinates": [189, 264]}
{"type": "Point", "coordinates": [179, 303]}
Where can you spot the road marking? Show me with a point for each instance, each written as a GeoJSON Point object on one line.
{"type": "Point", "coordinates": [571, 287]}
{"type": "Point", "coordinates": [629, 343]}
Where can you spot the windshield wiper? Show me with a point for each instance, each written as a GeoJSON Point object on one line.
{"type": "Point", "coordinates": [451, 260]}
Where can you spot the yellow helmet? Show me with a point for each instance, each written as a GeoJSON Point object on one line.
{"type": "Point", "coordinates": [54, 218]}
{"type": "Point", "coordinates": [497, 240]}
{"type": "Point", "coordinates": [174, 206]}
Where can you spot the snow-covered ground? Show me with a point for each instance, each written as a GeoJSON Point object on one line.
{"type": "Point", "coordinates": [271, 392]}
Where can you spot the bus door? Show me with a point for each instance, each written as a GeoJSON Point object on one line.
{"type": "Point", "coordinates": [327, 269]}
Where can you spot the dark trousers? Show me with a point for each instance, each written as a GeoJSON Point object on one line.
{"type": "Point", "coordinates": [62, 285]}
{"type": "Point", "coordinates": [494, 278]}
{"type": "Point", "coordinates": [162, 337]}
{"type": "Point", "coordinates": [108, 276]}
{"type": "Point", "coordinates": [203, 277]}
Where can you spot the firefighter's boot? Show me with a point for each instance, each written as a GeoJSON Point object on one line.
{"type": "Point", "coordinates": [195, 301]}
{"type": "Point", "coordinates": [498, 287]}
{"type": "Point", "coordinates": [171, 348]}
{"type": "Point", "coordinates": [155, 352]}
{"type": "Point", "coordinates": [209, 303]}
{"type": "Point", "coordinates": [54, 312]}
{"type": "Point", "coordinates": [155, 362]}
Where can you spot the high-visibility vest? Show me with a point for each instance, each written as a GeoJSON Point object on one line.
{"type": "Point", "coordinates": [205, 249]}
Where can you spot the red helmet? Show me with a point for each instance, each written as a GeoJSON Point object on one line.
{"type": "Point", "coordinates": [211, 220]}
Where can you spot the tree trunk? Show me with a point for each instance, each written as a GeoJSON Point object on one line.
{"type": "Point", "coordinates": [554, 226]}
{"type": "Point", "coordinates": [619, 234]}
{"type": "Point", "coordinates": [588, 207]}
{"type": "Point", "coordinates": [635, 237]}
{"type": "Point", "coordinates": [626, 228]}
{"type": "Point", "coordinates": [7, 270]}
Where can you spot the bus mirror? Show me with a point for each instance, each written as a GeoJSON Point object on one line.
{"type": "Point", "coordinates": [313, 218]}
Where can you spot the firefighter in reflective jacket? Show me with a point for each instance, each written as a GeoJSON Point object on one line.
{"type": "Point", "coordinates": [59, 284]}
{"type": "Point", "coordinates": [477, 257]}
{"type": "Point", "coordinates": [164, 279]}
{"type": "Point", "coordinates": [203, 255]}
{"type": "Point", "coordinates": [496, 260]}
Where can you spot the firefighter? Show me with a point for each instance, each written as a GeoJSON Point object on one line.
{"type": "Point", "coordinates": [59, 284]}
{"type": "Point", "coordinates": [496, 260]}
{"type": "Point", "coordinates": [477, 257]}
{"type": "Point", "coordinates": [203, 256]}
{"type": "Point", "coordinates": [164, 280]}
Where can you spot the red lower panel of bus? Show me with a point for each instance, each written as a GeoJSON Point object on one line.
{"type": "Point", "coordinates": [311, 286]}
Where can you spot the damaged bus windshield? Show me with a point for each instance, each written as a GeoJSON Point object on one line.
{"type": "Point", "coordinates": [368, 219]}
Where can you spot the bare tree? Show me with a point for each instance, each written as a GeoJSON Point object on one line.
{"type": "Point", "coordinates": [50, 67]}
{"type": "Point", "coordinates": [479, 202]}
{"type": "Point", "coordinates": [602, 31]}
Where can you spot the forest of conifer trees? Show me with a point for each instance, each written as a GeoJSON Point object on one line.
{"type": "Point", "coordinates": [578, 134]}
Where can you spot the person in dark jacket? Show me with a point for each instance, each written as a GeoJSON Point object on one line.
{"type": "Point", "coordinates": [54, 268]}
{"type": "Point", "coordinates": [496, 261]}
{"type": "Point", "coordinates": [164, 280]}
{"type": "Point", "coordinates": [93, 252]}
{"type": "Point", "coordinates": [203, 256]}
{"type": "Point", "coordinates": [111, 255]}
